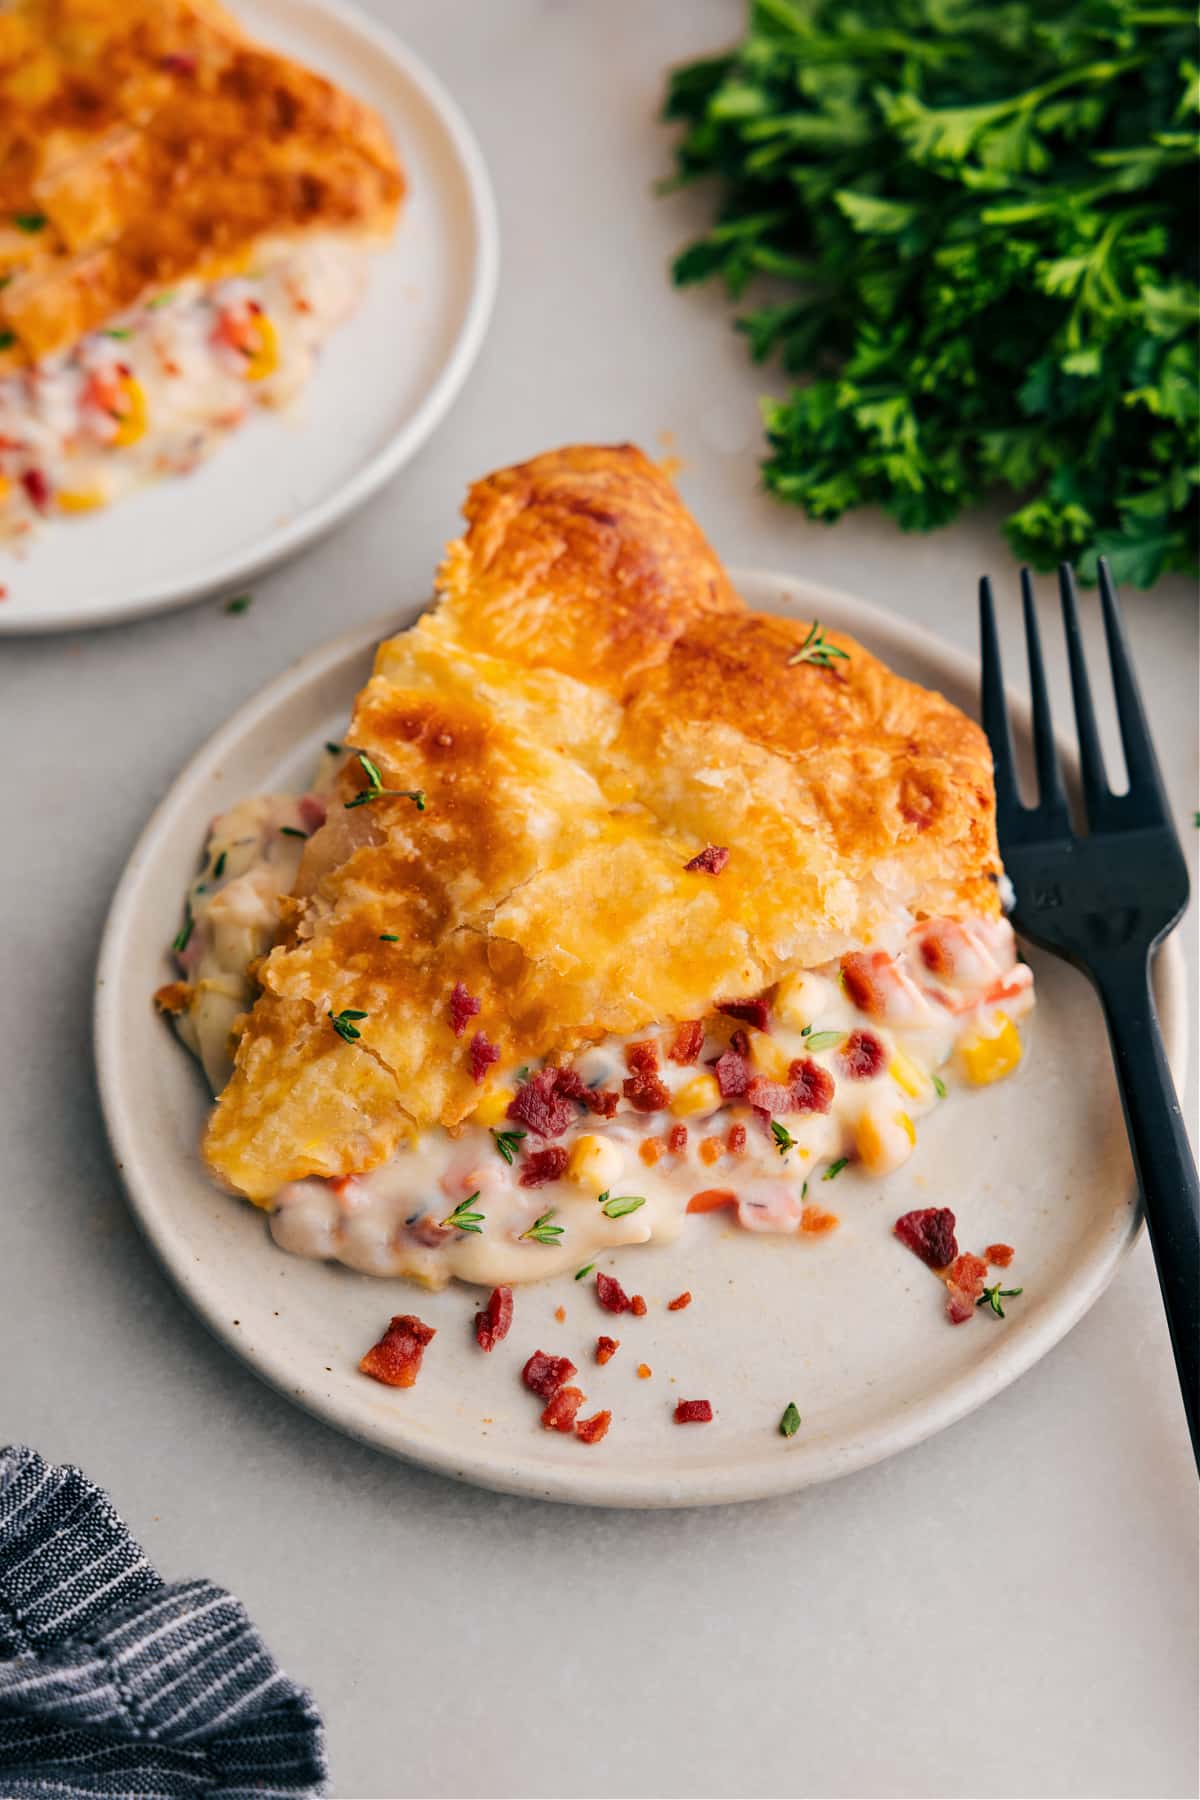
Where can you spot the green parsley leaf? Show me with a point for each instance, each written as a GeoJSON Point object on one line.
{"type": "Point", "coordinates": [542, 1231]}
{"type": "Point", "coordinates": [463, 1219]}
{"type": "Point", "coordinates": [586, 1270]}
{"type": "Point", "coordinates": [978, 228]}
{"type": "Point", "coordinates": [375, 789]}
{"type": "Point", "coordinates": [939, 1086]}
{"type": "Point", "coordinates": [343, 1026]}
{"type": "Point", "coordinates": [506, 1143]}
{"type": "Point", "coordinates": [824, 1040]}
{"type": "Point", "coordinates": [789, 1425]}
{"type": "Point", "coordinates": [992, 1296]}
{"type": "Point", "coordinates": [835, 1168]}
{"type": "Point", "coordinates": [784, 1141]}
{"type": "Point", "coordinates": [30, 221]}
{"type": "Point", "coordinates": [618, 1208]}
{"type": "Point", "coordinates": [240, 603]}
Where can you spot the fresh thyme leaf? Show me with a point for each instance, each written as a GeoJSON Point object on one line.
{"type": "Point", "coordinates": [179, 942]}
{"type": "Point", "coordinates": [375, 789]}
{"type": "Point", "coordinates": [219, 866]}
{"type": "Point", "coordinates": [161, 300]}
{"type": "Point", "coordinates": [804, 1189]}
{"type": "Point", "coordinates": [939, 1086]}
{"type": "Point", "coordinates": [806, 1031]}
{"type": "Point", "coordinates": [29, 221]}
{"type": "Point", "coordinates": [463, 1219]}
{"type": "Point", "coordinates": [824, 1040]}
{"type": "Point", "coordinates": [586, 1270]}
{"type": "Point", "coordinates": [992, 1296]}
{"type": "Point", "coordinates": [817, 649]}
{"type": "Point", "coordinates": [388, 937]}
{"type": "Point", "coordinates": [507, 1142]}
{"type": "Point", "coordinates": [835, 1168]}
{"type": "Point", "coordinates": [979, 228]}
{"type": "Point", "coordinates": [542, 1231]}
{"type": "Point", "coordinates": [784, 1141]}
{"type": "Point", "coordinates": [617, 1208]}
{"type": "Point", "coordinates": [240, 603]}
{"type": "Point", "coordinates": [342, 1023]}
{"type": "Point", "coordinates": [789, 1425]}
{"type": "Point", "coordinates": [117, 331]}
{"type": "Point", "coordinates": [292, 831]}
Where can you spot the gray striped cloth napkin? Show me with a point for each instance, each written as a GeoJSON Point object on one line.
{"type": "Point", "coordinates": [115, 1683]}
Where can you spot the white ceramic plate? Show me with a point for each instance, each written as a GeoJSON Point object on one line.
{"type": "Point", "coordinates": [850, 1326]}
{"type": "Point", "coordinates": [384, 380]}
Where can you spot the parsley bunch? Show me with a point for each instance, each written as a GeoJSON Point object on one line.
{"type": "Point", "coordinates": [979, 226]}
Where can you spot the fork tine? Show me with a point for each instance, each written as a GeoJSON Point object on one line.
{"type": "Point", "coordinates": [1145, 781]}
{"type": "Point", "coordinates": [1096, 792]}
{"type": "Point", "coordinates": [1052, 801]}
{"type": "Point", "coordinates": [995, 709]}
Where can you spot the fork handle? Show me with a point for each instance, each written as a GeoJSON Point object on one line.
{"type": "Point", "coordinates": [1163, 1160]}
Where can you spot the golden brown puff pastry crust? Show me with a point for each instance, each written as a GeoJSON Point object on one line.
{"type": "Point", "coordinates": [588, 707]}
{"type": "Point", "coordinates": [143, 141]}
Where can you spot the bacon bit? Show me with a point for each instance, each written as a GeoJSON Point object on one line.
{"type": "Point", "coordinates": [677, 1139]}
{"type": "Point", "coordinates": [733, 1073]}
{"type": "Point", "coordinates": [463, 1006]}
{"type": "Point", "coordinates": [755, 1012]}
{"type": "Point", "coordinates": [712, 1149]}
{"type": "Point", "coordinates": [637, 1306]}
{"type": "Point", "coordinates": [606, 1349]}
{"type": "Point", "coordinates": [929, 1234]}
{"type": "Point", "coordinates": [679, 1302]}
{"type": "Point", "coordinates": [816, 1222]}
{"type": "Point", "coordinates": [544, 1375]}
{"type": "Point", "coordinates": [689, 1041]}
{"type": "Point", "coordinates": [964, 1284]}
{"type": "Point", "coordinates": [604, 1101]}
{"type": "Point", "coordinates": [545, 1104]}
{"type": "Point", "coordinates": [560, 1313]}
{"type": "Point", "coordinates": [175, 997]}
{"type": "Point", "coordinates": [936, 953]}
{"type": "Point", "coordinates": [611, 1294]}
{"type": "Point", "coordinates": [735, 1139]}
{"type": "Point", "coordinates": [37, 488]}
{"type": "Point", "coordinates": [590, 1431]}
{"type": "Point", "coordinates": [768, 1097]}
{"type": "Point", "coordinates": [710, 861]}
{"type": "Point", "coordinates": [396, 1358]}
{"type": "Point", "coordinates": [711, 1200]}
{"type": "Point", "coordinates": [694, 1412]}
{"type": "Point", "coordinates": [812, 1086]}
{"type": "Point", "coordinates": [644, 1371]}
{"type": "Point", "coordinates": [561, 1409]}
{"type": "Point", "coordinates": [482, 1055]}
{"type": "Point", "coordinates": [650, 1149]}
{"type": "Point", "coordinates": [1000, 1255]}
{"type": "Point", "coordinates": [493, 1322]}
{"type": "Point", "coordinates": [862, 1055]}
{"type": "Point", "coordinates": [643, 1089]}
{"type": "Point", "coordinates": [541, 1166]}
{"type": "Point", "coordinates": [860, 976]}
{"type": "Point", "coordinates": [312, 812]}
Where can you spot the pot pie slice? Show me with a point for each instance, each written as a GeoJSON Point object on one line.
{"type": "Point", "coordinates": [619, 902]}
{"type": "Point", "coordinates": [185, 217]}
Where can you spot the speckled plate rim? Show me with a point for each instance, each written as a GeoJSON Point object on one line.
{"type": "Point", "coordinates": [287, 540]}
{"type": "Point", "coordinates": [495, 1464]}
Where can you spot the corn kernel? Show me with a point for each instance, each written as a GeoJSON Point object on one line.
{"type": "Point", "coordinates": [987, 1059]}
{"type": "Point", "coordinates": [264, 358]}
{"type": "Point", "coordinates": [700, 1095]}
{"type": "Point", "coordinates": [595, 1162]}
{"type": "Point", "coordinates": [792, 1006]}
{"type": "Point", "coordinates": [907, 1077]}
{"type": "Point", "coordinates": [883, 1144]}
{"type": "Point", "coordinates": [766, 1056]}
{"type": "Point", "coordinates": [79, 500]}
{"type": "Point", "coordinates": [5, 488]}
{"type": "Point", "coordinates": [132, 423]}
{"type": "Point", "coordinates": [493, 1106]}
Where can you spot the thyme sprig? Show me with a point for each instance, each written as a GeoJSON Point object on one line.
{"type": "Point", "coordinates": [542, 1231]}
{"type": "Point", "coordinates": [343, 1023]}
{"type": "Point", "coordinates": [463, 1219]}
{"type": "Point", "coordinates": [375, 789]}
{"type": "Point", "coordinates": [992, 1296]}
{"type": "Point", "coordinates": [817, 649]}
{"type": "Point", "coordinates": [506, 1143]}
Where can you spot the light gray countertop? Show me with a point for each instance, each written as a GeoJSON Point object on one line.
{"type": "Point", "coordinates": [1009, 1609]}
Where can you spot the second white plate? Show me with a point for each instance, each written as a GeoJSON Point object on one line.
{"type": "Point", "coordinates": [384, 381]}
{"type": "Point", "coordinates": [850, 1327]}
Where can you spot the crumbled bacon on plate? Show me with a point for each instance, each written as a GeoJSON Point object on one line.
{"type": "Point", "coordinates": [679, 1302]}
{"type": "Point", "coordinates": [644, 1371]}
{"type": "Point", "coordinates": [606, 1349]}
{"type": "Point", "coordinates": [929, 1234]}
{"type": "Point", "coordinates": [611, 1294]}
{"type": "Point", "coordinates": [709, 861]}
{"type": "Point", "coordinates": [1000, 1255]}
{"type": "Point", "coordinates": [545, 1104]}
{"type": "Point", "coordinates": [541, 1166]}
{"type": "Point", "coordinates": [482, 1055]}
{"type": "Point", "coordinates": [964, 1284]}
{"type": "Point", "coordinates": [755, 1012]}
{"type": "Point", "coordinates": [812, 1086]}
{"type": "Point", "coordinates": [463, 1007]}
{"type": "Point", "coordinates": [561, 1408]}
{"type": "Point", "coordinates": [687, 1044]}
{"type": "Point", "coordinates": [396, 1358]}
{"type": "Point", "coordinates": [643, 1089]}
{"type": "Point", "coordinates": [637, 1306]}
{"type": "Point", "coordinates": [493, 1322]}
{"type": "Point", "coordinates": [733, 1073]}
{"type": "Point", "coordinates": [693, 1412]}
{"type": "Point", "coordinates": [593, 1429]}
{"type": "Point", "coordinates": [862, 1055]}
{"type": "Point", "coordinates": [544, 1375]}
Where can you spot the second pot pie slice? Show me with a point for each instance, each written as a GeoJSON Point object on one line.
{"type": "Point", "coordinates": [620, 901]}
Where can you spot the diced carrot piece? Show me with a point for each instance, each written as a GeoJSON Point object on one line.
{"type": "Point", "coordinates": [711, 1200]}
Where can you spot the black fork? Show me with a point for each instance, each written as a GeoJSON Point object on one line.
{"type": "Point", "coordinates": [1104, 901]}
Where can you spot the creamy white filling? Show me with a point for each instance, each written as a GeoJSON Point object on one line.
{"type": "Point", "coordinates": [66, 441]}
